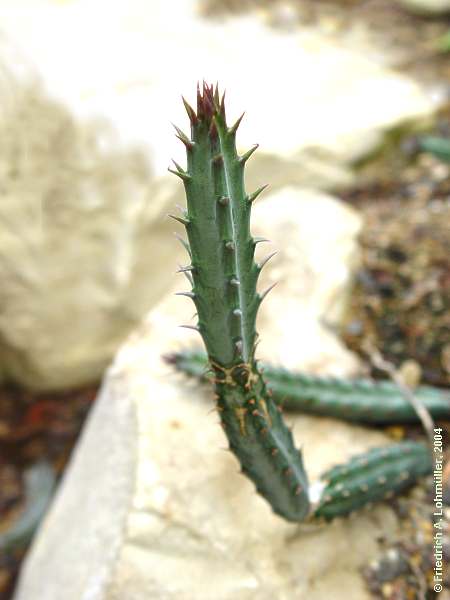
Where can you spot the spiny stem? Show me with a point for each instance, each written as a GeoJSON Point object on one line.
{"type": "Point", "coordinates": [224, 279]}
{"type": "Point", "coordinates": [359, 400]}
{"type": "Point", "coordinates": [371, 477]}
{"type": "Point", "coordinates": [224, 276]}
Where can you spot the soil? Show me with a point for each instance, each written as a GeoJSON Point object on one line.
{"type": "Point", "coordinates": [400, 303]}
{"type": "Point", "coordinates": [408, 41]}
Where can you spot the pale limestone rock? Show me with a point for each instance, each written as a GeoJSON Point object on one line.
{"type": "Point", "coordinates": [152, 507]}
{"type": "Point", "coordinates": [82, 233]}
{"type": "Point", "coordinates": [320, 93]}
{"type": "Point", "coordinates": [430, 7]}
{"type": "Point", "coordinates": [315, 237]}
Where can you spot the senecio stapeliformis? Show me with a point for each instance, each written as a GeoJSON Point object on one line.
{"type": "Point", "coordinates": [223, 275]}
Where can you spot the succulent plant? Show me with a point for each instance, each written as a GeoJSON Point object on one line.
{"type": "Point", "coordinates": [223, 275]}
{"type": "Point", "coordinates": [359, 400]}
{"type": "Point", "coordinates": [370, 477]}
{"type": "Point", "coordinates": [438, 146]}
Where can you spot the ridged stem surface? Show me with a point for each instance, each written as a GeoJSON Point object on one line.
{"type": "Point", "coordinates": [224, 276]}
{"type": "Point", "coordinates": [376, 475]}
{"type": "Point", "coordinates": [359, 400]}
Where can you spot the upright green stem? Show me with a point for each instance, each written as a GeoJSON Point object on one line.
{"type": "Point", "coordinates": [224, 276]}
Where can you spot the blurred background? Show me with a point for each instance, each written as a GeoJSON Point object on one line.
{"type": "Point", "coordinates": [347, 98]}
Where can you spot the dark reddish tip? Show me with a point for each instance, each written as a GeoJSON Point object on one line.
{"type": "Point", "coordinates": [209, 104]}
{"type": "Point", "coordinates": [222, 105]}
{"type": "Point", "coordinates": [216, 94]}
{"type": "Point", "coordinates": [190, 112]}
{"type": "Point", "coordinates": [199, 100]}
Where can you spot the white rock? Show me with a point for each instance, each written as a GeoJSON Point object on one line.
{"type": "Point", "coordinates": [431, 7]}
{"type": "Point", "coordinates": [151, 506]}
{"type": "Point", "coordinates": [315, 235]}
{"type": "Point", "coordinates": [300, 89]}
{"type": "Point", "coordinates": [82, 232]}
